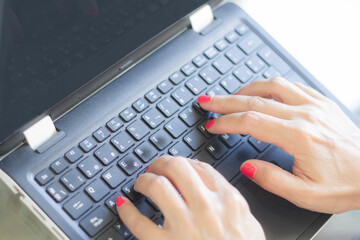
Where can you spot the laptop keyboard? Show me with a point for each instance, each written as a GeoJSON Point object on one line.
{"type": "Point", "coordinates": [167, 120]}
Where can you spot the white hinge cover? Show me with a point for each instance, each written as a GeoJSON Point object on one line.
{"type": "Point", "coordinates": [40, 132]}
{"type": "Point", "coordinates": [202, 18]}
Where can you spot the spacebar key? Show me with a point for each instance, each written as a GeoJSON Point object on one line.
{"type": "Point", "coordinates": [230, 167]}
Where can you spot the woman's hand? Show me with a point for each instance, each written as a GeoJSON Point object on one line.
{"type": "Point", "coordinates": [208, 207]}
{"type": "Point", "coordinates": [323, 140]}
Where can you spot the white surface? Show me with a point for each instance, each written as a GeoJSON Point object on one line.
{"type": "Point", "coordinates": [202, 18]}
{"type": "Point", "coordinates": [40, 132]}
{"type": "Point", "coordinates": [323, 35]}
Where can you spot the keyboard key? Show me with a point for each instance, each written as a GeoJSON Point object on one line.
{"type": "Point", "coordinates": [129, 191]}
{"type": "Point", "coordinates": [90, 167]}
{"type": "Point", "coordinates": [199, 61]}
{"type": "Point", "coordinates": [111, 204]}
{"type": "Point", "coordinates": [122, 142]}
{"type": "Point", "coordinates": [178, 77]}
{"type": "Point", "coordinates": [255, 64]}
{"type": "Point", "coordinates": [165, 86]}
{"type": "Point", "coordinates": [203, 130]}
{"type": "Point", "coordinates": [222, 64]}
{"type": "Point", "coordinates": [250, 43]}
{"type": "Point", "coordinates": [78, 205]}
{"type": "Point", "coordinates": [187, 69]}
{"type": "Point", "coordinates": [210, 75]}
{"type": "Point", "coordinates": [145, 209]}
{"type": "Point", "coordinates": [198, 108]}
{"type": "Point", "coordinates": [153, 118]}
{"type": "Point", "coordinates": [114, 124]}
{"type": "Point", "coordinates": [232, 37]}
{"type": "Point", "coordinates": [145, 151]}
{"type": "Point", "coordinates": [180, 149]}
{"type": "Point", "coordinates": [106, 154]}
{"type": "Point", "coordinates": [138, 130]}
{"type": "Point", "coordinates": [101, 134]}
{"type": "Point", "coordinates": [271, 72]}
{"type": "Point", "coordinates": [59, 165]}
{"type": "Point", "coordinates": [96, 221]}
{"type": "Point", "coordinates": [44, 177]}
{"type": "Point", "coordinates": [159, 221]}
{"type": "Point", "coordinates": [195, 139]}
{"type": "Point", "coordinates": [230, 140]}
{"type": "Point", "coordinates": [217, 149]}
{"type": "Point", "coordinates": [152, 96]}
{"type": "Point", "coordinates": [175, 127]}
{"type": "Point", "coordinates": [122, 230]}
{"type": "Point", "coordinates": [258, 145]}
{"type": "Point", "coordinates": [190, 116]}
{"type": "Point", "coordinates": [113, 177]}
{"type": "Point", "coordinates": [161, 139]}
{"type": "Point", "coordinates": [230, 167]}
{"type": "Point", "coordinates": [140, 105]}
{"type": "Point", "coordinates": [130, 164]}
{"type": "Point", "coordinates": [87, 144]}
{"type": "Point", "coordinates": [182, 96]}
{"type": "Point", "coordinates": [57, 192]}
{"type": "Point", "coordinates": [72, 180]}
{"type": "Point", "coordinates": [73, 155]}
{"type": "Point", "coordinates": [153, 204]}
{"type": "Point", "coordinates": [235, 55]}
{"type": "Point", "coordinates": [271, 58]}
{"type": "Point", "coordinates": [168, 107]}
{"type": "Point", "coordinates": [221, 45]}
{"type": "Point", "coordinates": [211, 52]}
{"type": "Point", "coordinates": [242, 29]}
{"type": "Point", "coordinates": [196, 85]}
{"type": "Point", "coordinates": [204, 156]}
{"type": "Point", "coordinates": [128, 114]}
{"type": "Point", "coordinates": [97, 190]}
{"type": "Point", "coordinates": [110, 234]}
{"type": "Point", "coordinates": [216, 90]}
{"type": "Point", "coordinates": [243, 73]}
{"type": "Point", "coordinates": [230, 83]}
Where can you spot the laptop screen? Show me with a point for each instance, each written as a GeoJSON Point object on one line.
{"type": "Point", "coordinates": [50, 48]}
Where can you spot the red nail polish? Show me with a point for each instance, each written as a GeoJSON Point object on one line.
{"type": "Point", "coordinates": [234, 93]}
{"type": "Point", "coordinates": [119, 201]}
{"type": "Point", "coordinates": [209, 124]}
{"type": "Point", "coordinates": [147, 169]}
{"type": "Point", "coordinates": [204, 99]}
{"type": "Point", "coordinates": [248, 170]}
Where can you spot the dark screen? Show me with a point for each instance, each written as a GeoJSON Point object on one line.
{"type": "Point", "coordinates": [50, 48]}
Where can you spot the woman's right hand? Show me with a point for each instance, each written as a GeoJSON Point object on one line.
{"type": "Point", "coordinates": [325, 143]}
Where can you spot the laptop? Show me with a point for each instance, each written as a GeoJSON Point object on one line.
{"type": "Point", "coordinates": [92, 91]}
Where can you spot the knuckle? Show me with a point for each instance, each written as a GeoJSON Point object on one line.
{"type": "Point", "coordinates": [157, 184]}
{"type": "Point", "coordinates": [277, 82]}
{"type": "Point", "coordinates": [251, 117]}
{"type": "Point", "coordinates": [255, 103]}
{"type": "Point", "coordinates": [175, 163]}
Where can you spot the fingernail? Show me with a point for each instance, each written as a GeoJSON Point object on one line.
{"type": "Point", "coordinates": [209, 124]}
{"type": "Point", "coordinates": [248, 170]}
{"type": "Point", "coordinates": [204, 99]}
{"type": "Point", "coordinates": [119, 201]}
{"type": "Point", "coordinates": [147, 169]}
{"type": "Point", "coordinates": [234, 93]}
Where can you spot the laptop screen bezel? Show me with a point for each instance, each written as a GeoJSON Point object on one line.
{"type": "Point", "coordinates": [95, 84]}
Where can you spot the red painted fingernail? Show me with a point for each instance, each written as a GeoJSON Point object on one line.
{"type": "Point", "coordinates": [234, 93]}
{"type": "Point", "coordinates": [147, 169]}
{"type": "Point", "coordinates": [209, 124]}
{"type": "Point", "coordinates": [204, 99]}
{"type": "Point", "coordinates": [119, 201]}
{"type": "Point", "coordinates": [248, 170]}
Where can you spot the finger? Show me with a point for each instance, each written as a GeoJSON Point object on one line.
{"type": "Point", "coordinates": [138, 224]}
{"type": "Point", "coordinates": [278, 89]}
{"type": "Point", "coordinates": [182, 175]}
{"type": "Point", "coordinates": [312, 92]}
{"type": "Point", "coordinates": [260, 126]}
{"type": "Point", "coordinates": [212, 178]}
{"type": "Point", "coordinates": [274, 179]}
{"type": "Point", "coordinates": [164, 195]}
{"type": "Point", "coordinates": [233, 104]}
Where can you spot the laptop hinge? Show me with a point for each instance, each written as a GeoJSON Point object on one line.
{"type": "Point", "coordinates": [40, 132]}
{"type": "Point", "coordinates": [201, 18]}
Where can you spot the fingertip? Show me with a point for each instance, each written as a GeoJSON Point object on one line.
{"type": "Point", "coordinates": [119, 201]}
{"type": "Point", "coordinates": [248, 169]}
{"type": "Point", "coordinates": [204, 99]}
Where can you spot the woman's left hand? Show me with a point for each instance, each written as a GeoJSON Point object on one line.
{"type": "Point", "coordinates": [197, 203]}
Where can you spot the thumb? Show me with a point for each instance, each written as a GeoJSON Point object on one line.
{"type": "Point", "coordinates": [274, 179]}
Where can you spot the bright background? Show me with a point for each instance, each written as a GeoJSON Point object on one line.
{"type": "Point", "coordinates": [324, 36]}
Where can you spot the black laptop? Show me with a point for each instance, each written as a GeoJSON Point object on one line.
{"type": "Point", "coordinates": [92, 91]}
